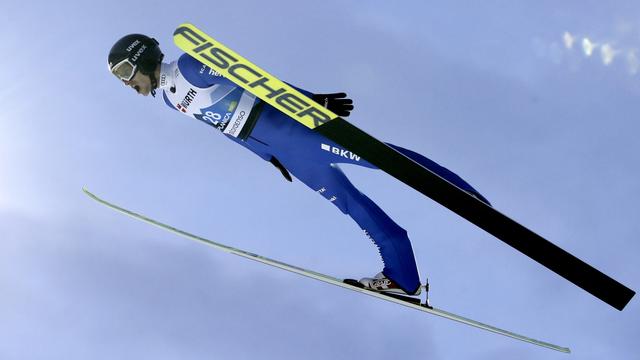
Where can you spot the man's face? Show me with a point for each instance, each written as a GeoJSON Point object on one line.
{"type": "Point", "coordinates": [140, 83]}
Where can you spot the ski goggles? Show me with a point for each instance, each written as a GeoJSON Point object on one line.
{"type": "Point", "coordinates": [125, 70]}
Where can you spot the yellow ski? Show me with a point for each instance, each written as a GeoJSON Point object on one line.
{"type": "Point", "coordinates": [250, 77]}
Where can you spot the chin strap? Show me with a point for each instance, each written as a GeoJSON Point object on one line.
{"type": "Point", "coordinates": [154, 83]}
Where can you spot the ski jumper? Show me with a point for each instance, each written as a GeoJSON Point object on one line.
{"type": "Point", "coordinates": [199, 92]}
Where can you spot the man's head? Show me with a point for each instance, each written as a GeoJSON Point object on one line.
{"type": "Point", "coordinates": [135, 59]}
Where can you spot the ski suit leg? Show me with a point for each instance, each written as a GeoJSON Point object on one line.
{"type": "Point", "coordinates": [441, 171]}
{"type": "Point", "coordinates": [313, 159]}
{"type": "Point", "coordinates": [392, 241]}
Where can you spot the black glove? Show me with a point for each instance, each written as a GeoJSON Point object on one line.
{"type": "Point", "coordinates": [281, 167]}
{"type": "Point", "coordinates": [336, 102]}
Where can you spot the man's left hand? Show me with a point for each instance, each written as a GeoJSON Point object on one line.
{"type": "Point", "coordinates": [336, 102]}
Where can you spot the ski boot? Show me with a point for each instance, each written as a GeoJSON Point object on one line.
{"type": "Point", "coordinates": [381, 283]}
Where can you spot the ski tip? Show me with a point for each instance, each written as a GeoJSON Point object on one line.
{"type": "Point", "coordinates": [90, 194]}
{"type": "Point", "coordinates": [86, 191]}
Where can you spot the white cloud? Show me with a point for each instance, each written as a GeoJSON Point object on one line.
{"type": "Point", "coordinates": [568, 40]}
{"type": "Point", "coordinates": [588, 46]}
{"type": "Point", "coordinates": [607, 53]}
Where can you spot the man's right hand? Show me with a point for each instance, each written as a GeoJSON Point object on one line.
{"type": "Point", "coordinates": [281, 167]}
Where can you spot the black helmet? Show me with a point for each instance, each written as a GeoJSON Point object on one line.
{"type": "Point", "coordinates": [132, 53]}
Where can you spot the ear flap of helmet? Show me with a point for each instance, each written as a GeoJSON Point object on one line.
{"type": "Point", "coordinates": [147, 65]}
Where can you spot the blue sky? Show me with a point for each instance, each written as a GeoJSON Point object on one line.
{"type": "Point", "coordinates": [505, 94]}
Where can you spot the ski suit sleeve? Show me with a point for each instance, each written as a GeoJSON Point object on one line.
{"type": "Point", "coordinates": [199, 74]}
{"type": "Point", "coordinates": [203, 76]}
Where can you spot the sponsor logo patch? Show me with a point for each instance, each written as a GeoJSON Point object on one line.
{"type": "Point", "coordinates": [135, 56]}
{"type": "Point", "coordinates": [188, 99]}
{"type": "Point", "coordinates": [340, 152]}
{"type": "Point", "coordinates": [133, 44]}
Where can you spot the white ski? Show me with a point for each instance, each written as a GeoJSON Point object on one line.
{"type": "Point", "coordinates": [405, 301]}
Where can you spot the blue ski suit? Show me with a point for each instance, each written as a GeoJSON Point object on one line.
{"type": "Point", "coordinates": [200, 92]}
